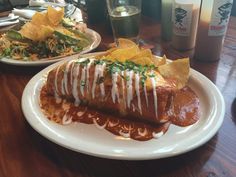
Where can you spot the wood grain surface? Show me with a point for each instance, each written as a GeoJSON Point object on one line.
{"type": "Point", "coordinates": [25, 153]}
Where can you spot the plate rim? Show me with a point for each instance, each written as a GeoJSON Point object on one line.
{"type": "Point", "coordinates": [44, 62]}
{"type": "Point", "coordinates": [219, 116]}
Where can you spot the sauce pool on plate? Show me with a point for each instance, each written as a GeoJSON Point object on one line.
{"type": "Point", "coordinates": [185, 111]}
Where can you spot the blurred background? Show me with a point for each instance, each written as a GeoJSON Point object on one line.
{"type": "Point", "coordinates": [151, 8]}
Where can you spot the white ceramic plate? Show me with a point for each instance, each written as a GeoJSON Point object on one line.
{"type": "Point", "coordinates": [8, 23]}
{"type": "Point", "coordinates": [88, 139]}
{"type": "Point", "coordinates": [96, 38]}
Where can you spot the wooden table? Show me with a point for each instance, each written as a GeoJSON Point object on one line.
{"type": "Point", "coordinates": [25, 153]}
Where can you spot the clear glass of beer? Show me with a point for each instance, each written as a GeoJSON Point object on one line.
{"type": "Point", "coordinates": [125, 18]}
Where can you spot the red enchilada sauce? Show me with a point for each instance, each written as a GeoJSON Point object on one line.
{"type": "Point", "coordinates": [184, 111]}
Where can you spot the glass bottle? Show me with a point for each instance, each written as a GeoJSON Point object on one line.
{"type": "Point", "coordinates": [185, 20]}
{"type": "Point", "coordinates": [212, 28]}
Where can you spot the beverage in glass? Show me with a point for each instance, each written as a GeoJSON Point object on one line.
{"type": "Point", "coordinates": [125, 18]}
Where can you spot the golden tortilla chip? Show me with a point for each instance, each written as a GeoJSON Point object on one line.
{"type": "Point", "coordinates": [33, 32]}
{"type": "Point", "coordinates": [55, 16]}
{"type": "Point", "coordinates": [143, 57]}
{"type": "Point", "coordinates": [158, 61]}
{"type": "Point", "coordinates": [45, 32]}
{"type": "Point", "coordinates": [142, 61]}
{"type": "Point", "coordinates": [178, 71]}
{"type": "Point", "coordinates": [123, 54]}
{"type": "Point", "coordinates": [106, 54]}
{"type": "Point", "coordinates": [144, 53]}
{"type": "Point", "coordinates": [125, 43]}
{"type": "Point", "coordinates": [29, 31]}
{"type": "Point", "coordinates": [40, 19]}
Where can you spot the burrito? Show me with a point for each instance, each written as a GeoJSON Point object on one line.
{"type": "Point", "coordinates": [131, 90]}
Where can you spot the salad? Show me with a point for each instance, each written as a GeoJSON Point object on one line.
{"type": "Point", "coordinates": [47, 35]}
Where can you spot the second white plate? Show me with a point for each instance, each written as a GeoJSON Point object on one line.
{"type": "Point", "coordinates": [96, 39]}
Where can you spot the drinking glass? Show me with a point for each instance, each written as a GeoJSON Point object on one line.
{"type": "Point", "coordinates": [125, 18]}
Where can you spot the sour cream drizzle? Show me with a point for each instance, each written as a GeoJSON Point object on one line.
{"type": "Point", "coordinates": [71, 73]}
{"type": "Point", "coordinates": [154, 94]}
{"type": "Point", "coordinates": [123, 88]}
{"type": "Point", "coordinates": [125, 135]}
{"type": "Point", "coordinates": [101, 74]}
{"type": "Point", "coordinates": [145, 93]}
{"type": "Point", "coordinates": [62, 86]}
{"type": "Point", "coordinates": [82, 80]}
{"type": "Point", "coordinates": [95, 80]}
{"type": "Point", "coordinates": [114, 90]}
{"type": "Point", "coordinates": [99, 70]}
{"type": "Point", "coordinates": [129, 87]}
{"type": "Point", "coordinates": [137, 77]}
{"type": "Point", "coordinates": [66, 119]}
{"type": "Point", "coordinates": [75, 84]}
{"type": "Point", "coordinates": [142, 132]}
{"type": "Point", "coordinates": [157, 135]}
{"type": "Point", "coordinates": [87, 74]}
{"type": "Point", "coordinates": [100, 126]}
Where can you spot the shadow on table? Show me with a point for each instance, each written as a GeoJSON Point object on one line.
{"type": "Point", "coordinates": [69, 163]}
{"type": "Point", "coordinates": [19, 70]}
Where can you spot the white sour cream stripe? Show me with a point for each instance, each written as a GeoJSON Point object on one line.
{"type": "Point", "coordinates": [114, 90]}
{"type": "Point", "coordinates": [100, 126]}
{"type": "Point", "coordinates": [101, 74]}
{"type": "Point", "coordinates": [87, 74]}
{"type": "Point", "coordinates": [94, 81]}
{"type": "Point", "coordinates": [75, 84]}
{"type": "Point", "coordinates": [125, 135]}
{"type": "Point", "coordinates": [142, 131]}
{"type": "Point", "coordinates": [66, 120]}
{"type": "Point", "coordinates": [62, 86]}
{"type": "Point", "coordinates": [123, 88]}
{"type": "Point", "coordinates": [71, 73]}
{"type": "Point", "coordinates": [129, 87]}
{"type": "Point", "coordinates": [154, 95]}
{"type": "Point", "coordinates": [82, 80]}
{"type": "Point", "coordinates": [137, 78]}
{"type": "Point", "coordinates": [97, 72]}
{"type": "Point", "coordinates": [157, 135]}
{"type": "Point", "coordinates": [145, 93]}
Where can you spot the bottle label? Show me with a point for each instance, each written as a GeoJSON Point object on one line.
{"type": "Point", "coordinates": [220, 17]}
{"type": "Point", "coordinates": [181, 18]}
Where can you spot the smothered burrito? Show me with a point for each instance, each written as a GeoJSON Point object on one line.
{"type": "Point", "coordinates": [125, 90]}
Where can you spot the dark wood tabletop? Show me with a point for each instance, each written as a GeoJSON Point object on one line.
{"type": "Point", "coordinates": [25, 153]}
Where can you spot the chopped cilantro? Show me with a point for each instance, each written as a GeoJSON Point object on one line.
{"type": "Point", "coordinates": [116, 67]}
{"type": "Point", "coordinates": [82, 83]}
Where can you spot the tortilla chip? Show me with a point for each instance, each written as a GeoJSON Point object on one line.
{"type": "Point", "coordinates": [33, 32]}
{"type": "Point", "coordinates": [55, 16]}
{"type": "Point", "coordinates": [40, 19]}
{"type": "Point", "coordinates": [123, 54]}
{"type": "Point", "coordinates": [158, 61]}
{"type": "Point", "coordinates": [125, 43]}
{"type": "Point", "coordinates": [45, 32]}
{"type": "Point", "coordinates": [177, 71]}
